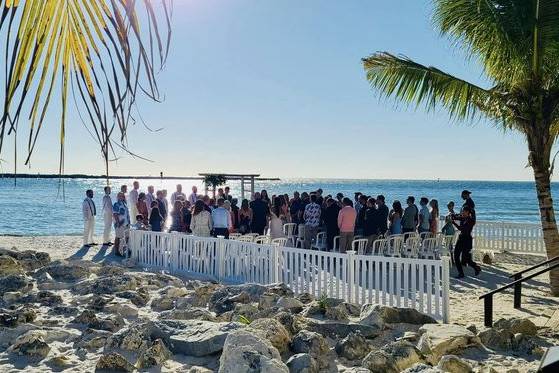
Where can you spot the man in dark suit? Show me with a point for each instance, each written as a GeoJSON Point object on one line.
{"type": "Point", "coordinates": [259, 214]}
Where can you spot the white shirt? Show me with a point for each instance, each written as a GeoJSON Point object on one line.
{"type": "Point", "coordinates": [193, 198]}
{"type": "Point", "coordinates": [133, 197]}
{"type": "Point", "coordinates": [149, 199]}
{"type": "Point", "coordinates": [88, 208]}
{"type": "Point", "coordinates": [107, 205]}
{"type": "Point", "coordinates": [176, 196]}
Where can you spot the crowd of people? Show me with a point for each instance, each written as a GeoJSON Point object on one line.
{"type": "Point", "coordinates": [200, 215]}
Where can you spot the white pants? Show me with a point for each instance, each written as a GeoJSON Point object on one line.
{"type": "Point", "coordinates": [108, 226]}
{"type": "Point", "coordinates": [88, 230]}
{"type": "Point", "coordinates": [133, 213]}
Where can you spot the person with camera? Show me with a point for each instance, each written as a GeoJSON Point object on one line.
{"type": "Point", "coordinates": [463, 249]}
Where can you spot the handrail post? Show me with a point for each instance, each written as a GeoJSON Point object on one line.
{"type": "Point", "coordinates": [220, 257]}
{"type": "Point", "coordinates": [350, 274]}
{"type": "Point", "coordinates": [488, 310]}
{"type": "Point", "coordinates": [446, 289]}
{"type": "Point", "coordinates": [517, 292]}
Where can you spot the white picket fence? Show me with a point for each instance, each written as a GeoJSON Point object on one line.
{"type": "Point", "coordinates": [512, 237]}
{"type": "Point", "coordinates": [402, 282]}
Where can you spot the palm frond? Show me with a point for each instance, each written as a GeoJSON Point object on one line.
{"type": "Point", "coordinates": [101, 49]}
{"type": "Point", "coordinates": [413, 83]}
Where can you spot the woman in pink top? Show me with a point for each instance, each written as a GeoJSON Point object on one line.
{"type": "Point", "coordinates": [346, 223]}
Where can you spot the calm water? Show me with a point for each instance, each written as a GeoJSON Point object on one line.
{"type": "Point", "coordinates": [35, 206]}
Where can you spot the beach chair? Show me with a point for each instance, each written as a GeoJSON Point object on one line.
{"type": "Point", "coordinates": [358, 237]}
{"type": "Point", "coordinates": [395, 245]}
{"type": "Point", "coordinates": [280, 242]}
{"type": "Point", "coordinates": [428, 248]}
{"type": "Point", "coordinates": [289, 231]}
{"type": "Point", "coordinates": [300, 236]}
{"type": "Point", "coordinates": [246, 238]}
{"type": "Point", "coordinates": [254, 235]}
{"type": "Point", "coordinates": [379, 247]}
{"type": "Point", "coordinates": [447, 246]}
{"type": "Point", "coordinates": [360, 246]}
{"type": "Point", "coordinates": [320, 243]}
{"type": "Point", "coordinates": [262, 240]}
{"type": "Point", "coordinates": [336, 244]}
{"type": "Point", "coordinates": [412, 246]}
{"type": "Point", "coordinates": [425, 235]}
{"type": "Point", "coordinates": [234, 236]}
{"type": "Point", "coordinates": [409, 235]}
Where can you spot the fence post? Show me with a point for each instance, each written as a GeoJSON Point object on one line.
{"type": "Point", "coordinates": [350, 274]}
{"type": "Point", "coordinates": [446, 288]}
{"type": "Point", "coordinates": [275, 265]}
{"type": "Point", "coordinates": [502, 236]}
{"type": "Point", "coordinates": [173, 248]}
{"type": "Point", "coordinates": [220, 257]}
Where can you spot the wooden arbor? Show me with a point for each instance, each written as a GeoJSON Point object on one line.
{"type": "Point", "coordinates": [247, 182]}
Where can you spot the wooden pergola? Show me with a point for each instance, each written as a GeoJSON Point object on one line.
{"type": "Point", "coordinates": [247, 181]}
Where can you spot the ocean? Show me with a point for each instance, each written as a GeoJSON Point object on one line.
{"type": "Point", "coordinates": [38, 206]}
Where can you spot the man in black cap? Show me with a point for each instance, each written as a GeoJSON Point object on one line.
{"type": "Point", "coordinates": [468, 201]}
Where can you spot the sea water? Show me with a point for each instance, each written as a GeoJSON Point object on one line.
{"type": "Point", "coordinates": [47, 207]}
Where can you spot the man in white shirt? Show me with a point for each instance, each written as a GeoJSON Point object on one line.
{"type": "Point", "coordinates": [150, 197]}
{"type": "Point", "coordinates": [132, 200]}
{"type": "Point", "coordinates": [89, 212]}
{"type": "Point", "coordinates": [193, 197]}
{"type": "Point", "coordinates": [178, 195]}
{"type": "Point", "coordinates": [107, 217]}
{"type": "Point", "coordinates": [221, 219]}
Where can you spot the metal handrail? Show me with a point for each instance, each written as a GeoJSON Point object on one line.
{"type": "Point", "coordinates": [517, 274]}
{"type": "Point", "coordinates": [488, 297]}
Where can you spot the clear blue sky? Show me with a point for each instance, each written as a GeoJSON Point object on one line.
{"type": "Point", "coordinates": [277, 87]}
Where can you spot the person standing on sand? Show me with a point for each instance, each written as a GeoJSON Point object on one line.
{"type": "Point", "coordinates": [221, 218]}
{"type": "Point", "coordinates": [193, 197]}
{"type": "Point", "coordinates": [121, 217]}
{"type": "Point", "coordinates": [178, 195]}
{"type": "Point", "coordinates": [260, 212]}
{"type": "Point", "coordinates": [311, 216]}
{"type": "Point", "coordinates": [124, 190]}
{"type": "Point", "coordinates": [346, 223]}
{"type": "Point", "coordinates": [448, 227]}
{"type": "Point", "coordinates": [410, 218]}
{"type": "Point", "coordinates": [161, 205]}
{"type": "Point", "coordinates": [424, 216]}
{"type": "Point", "coordinates": [468, 201]}
{"type": "Point", "coordinates": [463, 249]}
{"type": "Point", "coordinates": [382, 214]}
{"type": "Point", "coordinates": [133, 200]}
{"type": "Point", "coordinates": [107, 217]}
{"type": "Point", "coordinates": [330, 218]}
{"type": "Point", "coordinates": [89, 212]}
{"type": "Point", "coordinates": [434, 217]}
{"type": "Point", "coordinates": [150, 197]}
{"type": "Point", "coordinates": [227, 194]}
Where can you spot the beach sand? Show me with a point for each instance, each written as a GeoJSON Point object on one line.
{"type": "Point", "coordinates": [465, 307]}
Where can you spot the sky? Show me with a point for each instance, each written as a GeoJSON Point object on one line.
{"type": "Point", "coordinates": [278, 88]}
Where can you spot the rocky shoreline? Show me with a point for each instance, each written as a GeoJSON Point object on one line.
{"type": "Point", "coordinates": [83, 316]}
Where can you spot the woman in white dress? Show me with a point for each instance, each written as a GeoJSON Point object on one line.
{"type": "Point", "coordinates": [201, 224]}
{"type": "Point", "coordinates": [276, 220]}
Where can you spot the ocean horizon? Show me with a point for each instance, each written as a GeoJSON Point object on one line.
{"type": "Point", "coordinates": [46, 206]}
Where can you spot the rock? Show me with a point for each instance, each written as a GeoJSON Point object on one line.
{"type": "Point", "coordinates": [31, 344]}
{"type": "Point", "coordinates": [92, 339]}
{"type": "Point", "coordinates": [113, 362]}
{"type": "Point", "coordinates": [290, 304]}
{"type": "Point", "coordinates": [30, 260]}
{"type": "Point", "coordinates": [224, 299]}
{"type": "Point", "coordinates": [453, 364]}
{"type": "Point", "coordinates": [9, 335]}
{"type": "Point", "coordinates": [196, 337]}
{"type": "Point", "coordinates": [423, 368]}
{"type": "Point", "coordinates": [89, 318]}
{"type": "Point", "coordinates": [338, 313]}
{"type": "Point", "coordinates": [15, 282]}
{"type": "Point", "coordinates": [48, 298]}
{"type": "Point", "coordinates": [353, 347]}
{"type": "Point", "coordinates": [246, 352]}
{"type": "Point", "coordinates": [139, 298]}
{"type": "Point", "coordinates": [9, 266]}
{"type": "Point", "coordinates": [268, 300]}
{"type": "Point", "coordinates": [393, 357]}
{"type": "Point", "coordinates": [286, 319]}
{"type": "Point", "coordinates": [106, 285]}
{"type": "Point", "coordinates": [98, 302]}
{"type": "Point", "coordinates": [12, 296]}
{"type": "Point", "coordinates": [155, 355]}
{"type": "Point", "coordinates": [61, 362]}
{"type": "Point", "coordinates": [517, 325]}
{"type": "Point", "coordinates": [122, 309]}
{"type": "Point", "coordinates": [202, 294]}
{"type": "Point", "coordinates": [377, 315]}
{"type": "Point", "coordinates": [248, 311]}
{"type": "Point", "coordinates": [86, 317]}
{"type": "Point", "coordinates": [524, 343]}
{"type": "Point", "coordinates": [409, 336]}
{"type": "Point", "coordinates": [110, 270]}
{"type": "Point", "coordinates": [305, 298]}
{"type": "Point", "coordinates": [315, 345]}
{"type": "Point", "coordinates": [274, 332]}
{"type": "Point", "coordinates": [136, 337]}
{"type": "Point", "coordinates": [443, 339]}
{"type": "Point", "coordinates": [472, 328]}
{"type": "Point", "coordinates": [302, 363]}
{"type": "Point", "coordinates": [174, 292]}
{"type": "Point", "coordinates": [313, 308]}
{"type": "Point", "coordinates": [334, 329]}
{"type": "Point", "coordinates": [192, 313]}
{"type": "Point", "coordinates": [13, 318]}
{"type": "Point", "coordinates": [163, 303]}
{"type": "Point", "coordinates": [280, 289]}
{"type": "Point", "coordinates": [496, 339]}
{"type": "Point", "coordinates": [64, 310]}
{"type": "Point", "coordinates": [64, 271]}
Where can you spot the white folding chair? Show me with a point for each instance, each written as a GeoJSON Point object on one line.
{"type": "Point", "coordinates": [289, 231]}
{"type": "Point", "coordinates": [395, 245]}
{"type": "Point", "coordinates": [300, 236]}
{"type": "Point", "coordinates": [428, 248]}
{"type": "Point", "coordinates": [280, 242]}
{"type": "Point", "coordinates": [246, 238]}
{"type": "Point", "coordinates": [336, 244]}
{"type": "Point", "coordinates": [320, 243]}
{"type": "Point", "coordinates": [262, 240]}
{"type": "Point", "coordinates": [425, 235]}
{"type": "Point", "coordinates": [234, 236]}
{"type": "Point", "coordinates": [358, 237]}
{"type": "Point", "coordinates": [359, 245]}
{"type": "Point", "coordinates": [254, 235]}
{"type": "Point", "coordinates": [409, 235]}
{"type": "Point", "coordinates": [379, 247]}
{"type": "Point", "coordinates": [411, 247]}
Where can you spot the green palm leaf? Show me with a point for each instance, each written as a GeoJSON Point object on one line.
{"type": "Point", "coordinates": [100, 51]}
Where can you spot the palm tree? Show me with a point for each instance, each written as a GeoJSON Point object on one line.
{"type": "Point", "coordinates": [517, 42]}
{"type": "Point", "coordinates": [96, 54]}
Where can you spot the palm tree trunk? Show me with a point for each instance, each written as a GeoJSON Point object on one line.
{"type": "Point", "coordinates": [539, 160]}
